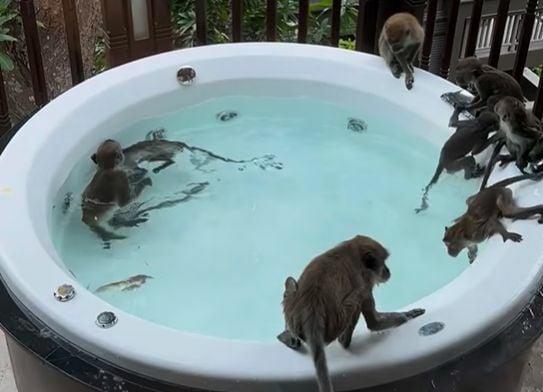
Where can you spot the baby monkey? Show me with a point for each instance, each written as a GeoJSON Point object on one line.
{"type": "Point", "coordinates": [469, 139]}
{"type": "Point", "coordinates": [109, 189]}
{"type": "Point", "coordinates": [482, 219]}
{"type": "Point", "coordinates": [326, 302]}
{"type": "Point", "coordinates": [399, 45]}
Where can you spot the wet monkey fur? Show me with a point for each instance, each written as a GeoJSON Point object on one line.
{"type": "Point", "coordinates": [482, 219]}
{"type": "Point", "coordinates": [333, 290]}
{"type": "Point", "coordinates": [470, 138]}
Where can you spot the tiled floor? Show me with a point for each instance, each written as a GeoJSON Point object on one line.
{"type": "Point", "coordinates": [533, 382]}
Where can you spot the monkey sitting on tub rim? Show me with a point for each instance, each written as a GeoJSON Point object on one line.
{"type": "Point", "coordinates": [333, 290]}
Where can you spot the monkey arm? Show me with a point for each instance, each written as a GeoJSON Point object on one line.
{"type": "Point", "coordinates": [380, 321]}
{"type": "Point", "coordinates": [409, 79]}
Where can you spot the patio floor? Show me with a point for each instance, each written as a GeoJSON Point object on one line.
{"type": "Point", "coordinates": [533, 382]}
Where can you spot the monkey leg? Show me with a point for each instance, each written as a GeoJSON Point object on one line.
{"type": "Point", "coordinates": [380, 321]}
{"type": "Point", "coordinates": [412, 55]}
{"type": "Point", "coordinates": [510, 209]}
{"type": "Point", "coordinates": [505, 159]}
{"type": "Point", "coordinates": [347, 335]}
{"type": "Point", "coordinates": [289, 340]}
{"type": "Point", "coordinates": [506, 235]}
{"type": "Point", "coordinates": [409, 78]}
{"type": "Point", "coordinates": [351, 308]}
{"type": "Point", "coordinates": [396, 68]}
{"type": "Point", "coordinates": [166, 163]}
{"type": "Point", "coordinates": [140, 186]}
{"type": "Point", "coordinates": [468, 164]}
{"type": "Point", "coordinates": [472, 253]}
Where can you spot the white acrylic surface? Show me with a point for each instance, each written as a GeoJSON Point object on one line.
{"type": "Point", "coordinates": [489, 293]}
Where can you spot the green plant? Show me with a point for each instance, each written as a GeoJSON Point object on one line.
{"type": "Point", "coordinates": [99, 55]}
{"type": "Point", "coordinates": [254, 21]}
{"type": "Point", "coordinates": [347, 44]}
{"type": "Point", "coordinates": [537, 69]}
{"type": "Point", "coordinates": [7, 14]}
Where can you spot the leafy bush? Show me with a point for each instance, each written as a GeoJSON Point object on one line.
{"type": "Point", "coordinates": [7, 14]}
{"type": "Point", "coordinates": [254, 21]}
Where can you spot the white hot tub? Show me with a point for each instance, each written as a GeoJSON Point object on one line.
{"type": "Point", "coordinates": [473, 307]}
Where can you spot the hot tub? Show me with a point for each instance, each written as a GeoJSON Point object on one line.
{"type": "Point", "coordinates": [470, 308]}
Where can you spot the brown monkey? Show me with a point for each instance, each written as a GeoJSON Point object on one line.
{"type": "Point", "coordinates": [482, 219]}
{"type": "Point", "coordinates": [325, 304]}
{"type": "Point", "coordinates": [487, 82]}
{"type": "Point", "coordinates": [158, 149]}
{"type": "Point", "coordinates": [520, 129]}
{"type": "Point", "coordinates": [470, 138]}
{"type": "Point", "coordinates": [399, 45]}
{"type": "Point", "coordinates": [109, 189]}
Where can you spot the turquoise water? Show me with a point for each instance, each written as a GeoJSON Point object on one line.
{"type": "Point", "coordinates": [219, 259]}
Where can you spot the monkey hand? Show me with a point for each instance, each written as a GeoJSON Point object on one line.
{"type": "Point", "coordinates": [289, 340]}
{"type": "Point", "coordinates": [414, 313]}
{"type": "Point", "coordinates": [409, 80]}
{"type": "Point", "coordinates": [515, 237]}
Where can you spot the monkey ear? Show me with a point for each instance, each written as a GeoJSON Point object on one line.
{"type": "Point", "coordinates": [446, 228]}
{"type": "Point", "coordinates": [93, 157]}
{"type": "Point", "coordinates": [291, 284]}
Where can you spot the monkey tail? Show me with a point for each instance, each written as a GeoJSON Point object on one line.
{"type": "Point", "coordinates": [521, 177]}
{"type": "Point", "coordinates": [315, 342]}
{"type": "Point", "coordinates": [424, 200]}
{"type": "Point", "coordinates": [491, 163]}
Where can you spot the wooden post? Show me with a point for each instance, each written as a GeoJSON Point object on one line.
{"type": "Point", "coordinates": [415, 7]}
{"type": "Point", "coordinates": [525, 38]}
{"type": "Point", "coordinates": [499, 30]}
{"type": "Point", "coordinates": [449, 40]}
{"type": "Point", "coordinates": [116, 29]}
{"type": "Point", "coordinates": [5, 122]}
{"type": "Point", "coordinates": [475, 22]}
{"type": "Point", "coordinates": [32, 40]}
{"type": "Point", "coordinates": [162, 25]}
{"type": "Point", "coordinates": [72, 38]}
{"type": "Point", "coordinates": [428, 34]}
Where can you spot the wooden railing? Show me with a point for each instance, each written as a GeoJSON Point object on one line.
{"type": "Point", "coordinates": [491, 29]}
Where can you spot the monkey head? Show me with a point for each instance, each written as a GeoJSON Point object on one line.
{"type": "Point", "coordinates": [109, 154]}
{"type": "Point", "coordinates": [398, 35]}
{"type": "Point", "coordinates": [488, 119]}
{"type": "Point", "coordinates": [467, 71]}
{"type": "Point", "coordinates": [454, 240]}
{"type": "Point", "coordinates": [373, 256]}
{"type": "Point", "coordinates": [510, 109]}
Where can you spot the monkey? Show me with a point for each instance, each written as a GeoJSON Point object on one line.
{"type": "Point", "coordinates": [520, 130]}
{"type": "Point", "coordinates": [109, 189]}
{"type": "Point", "coordinates": [157, 149]}
{"type": "Point", "coordinates": [486, 81]}
{"type": "Point", "coordinates": [399, 45]}
{"type": "Point", "coordinates": [326, 302]}
{"type": "Point", "coordinates": [471, 137]}
{"type": "Point", "coordinates": [482, 218]}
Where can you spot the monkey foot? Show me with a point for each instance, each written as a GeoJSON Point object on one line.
{"type": "Point", "coordinates": [515, 237]}
{"type": "Point", "coordinates": [409, 80]}
{"type": "Point", "coordinates": [289, 340]}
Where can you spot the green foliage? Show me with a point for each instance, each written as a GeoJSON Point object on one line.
{"type": "Point", "coordinates": [99, 56]}
{"type": "Point", "coordinates": [7, 14]}
{"type": "Point", "coordinates": [537, 69]}
{"type": "Point", "coordinates": [347, 44]}
{"type": "Point", "coordinates": [254, 21]}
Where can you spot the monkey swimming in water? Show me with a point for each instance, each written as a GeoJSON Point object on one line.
{"type": "Point", "coordinates": [109, 189]}
{"type": "Point", "coordinates": [399, 45]}
{"type": "Point", "coordinates": [333, 290]}
{"type": "Point", "coordinates": [157, 149]}
{"type": "Point", "coordinates": [482, 218]}
{"type": "Point", "coordinates": [469, 139]}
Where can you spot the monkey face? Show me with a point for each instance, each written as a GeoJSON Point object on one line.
{"type": "Point", "coordinates": [467, 71]}
{"type": "Point", "coordinates": [397, 36]}
{"type": "Point", "coordinates": [454, 246]}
